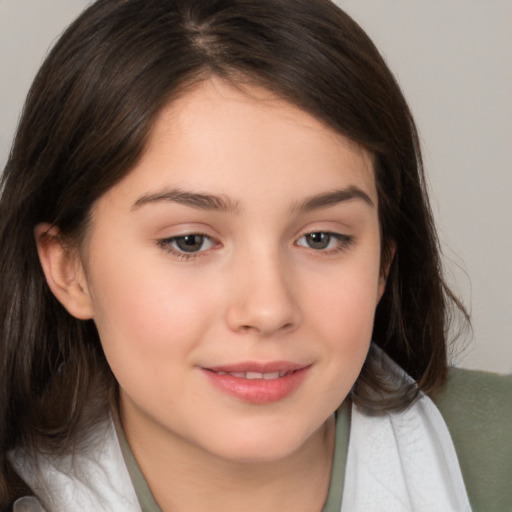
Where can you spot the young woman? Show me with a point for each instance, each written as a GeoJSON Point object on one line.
{"type": "Point", "coordinates": [220, 279]}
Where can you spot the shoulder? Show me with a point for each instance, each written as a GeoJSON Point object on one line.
{"type": "Point", "coordinates": [481, 397]}
{"type": "Point", "coordinates": [477, 408]}
{"type": "Point", "coordinates": [91, 476]}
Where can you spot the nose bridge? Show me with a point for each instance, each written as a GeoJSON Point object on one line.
{"type": "Point", "coordinates": [262, 298]}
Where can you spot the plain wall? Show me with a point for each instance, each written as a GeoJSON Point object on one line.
{"type": "Point", "coordinates": [453, 59]}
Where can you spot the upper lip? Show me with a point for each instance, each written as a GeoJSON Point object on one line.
{"type": "Point", "coordinates": [259, 367]}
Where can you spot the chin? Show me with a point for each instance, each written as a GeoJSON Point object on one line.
{"type": "Point", "coordinates": [260, 445]}
{"type": "Point", "coordinates": [260, 454]}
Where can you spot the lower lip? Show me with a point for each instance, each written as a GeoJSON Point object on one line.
{"type": "Point", "coordinates": [258, 391]}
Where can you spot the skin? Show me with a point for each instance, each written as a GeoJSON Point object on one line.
{"type": "Point", "coordinates": [255, 289]}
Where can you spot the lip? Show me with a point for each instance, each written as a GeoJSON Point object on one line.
{"type": "Point", "coordinates": [258, 390]}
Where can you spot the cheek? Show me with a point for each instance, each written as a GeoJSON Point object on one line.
{"type": "Point", "coordinates": [347, 326]}
{"type": "Point", "coordinates": [346, 303]}
{"type": "Point", "coordinates": [344, 310]}
{"type": "Point", "coordinates": [147, 313]}
{"type": "Point", "coordinates": [149, 336]}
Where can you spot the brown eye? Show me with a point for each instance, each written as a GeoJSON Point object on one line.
{"type": "Point", "coordinates": [189, 243]}
{"type": "Point", "coordinates": [325, 241]}
{"type": "Point", "coordinates": [318, 240]}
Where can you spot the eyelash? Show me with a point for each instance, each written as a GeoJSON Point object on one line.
{"type": "Point", "coordinates": [343, 242]}
{"type": "Point", "coordinates": [167, 244]}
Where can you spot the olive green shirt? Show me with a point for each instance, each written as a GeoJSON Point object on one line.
{"type": "Point", "coordinates": [477, 408]}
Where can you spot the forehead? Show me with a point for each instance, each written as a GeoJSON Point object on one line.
{"type": "Point", "coordinates": [230, 139]}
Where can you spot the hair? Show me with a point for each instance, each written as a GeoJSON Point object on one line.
{"type": "Point", "coordinates": [86, 123]}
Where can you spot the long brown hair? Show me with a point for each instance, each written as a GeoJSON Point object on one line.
{"type": "Point", "coordinates": [85, 124]}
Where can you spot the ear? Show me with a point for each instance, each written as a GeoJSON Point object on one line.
{"type": "Point", "coordinates": [64, 271]}
{"type": "Point", "coordinates": [386, 265]}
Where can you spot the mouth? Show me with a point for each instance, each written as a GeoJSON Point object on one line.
{"type": "Point", "coordinates": [255, 375]}
{"type": "Point", "coordinates": [258, 383]}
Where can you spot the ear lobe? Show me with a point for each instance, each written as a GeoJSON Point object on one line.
{"type": "Point", "coordinates": [63, 271]}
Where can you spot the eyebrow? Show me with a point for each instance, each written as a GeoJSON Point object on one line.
{"type": "Point", "coordinates": [204, 201]}
{"type": "Point", "coordinates": [326, 199]}
{"type": "Point", "coordinates": [198, 200]}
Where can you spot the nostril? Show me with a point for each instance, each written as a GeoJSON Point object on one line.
{"type": "Point", "coordinates": [265, 330]}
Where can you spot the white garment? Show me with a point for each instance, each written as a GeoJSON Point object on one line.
{"type": "Point", "coordinates": [94, 479]}
{"type": "Point", "coordinates": [403, 462]}
{"type": "Point", "coordinates": [397, 462]}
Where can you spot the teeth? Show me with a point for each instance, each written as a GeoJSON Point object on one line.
{"type": "Point", "coordinates": [255, 375]}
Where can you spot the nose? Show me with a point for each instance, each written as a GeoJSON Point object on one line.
{"type": "Point", "coordinates": [262, 298]}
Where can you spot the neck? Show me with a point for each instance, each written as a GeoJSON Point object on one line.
{"type": "Point", "coordinates": [184, 478]}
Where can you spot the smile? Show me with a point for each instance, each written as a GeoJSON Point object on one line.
{"type": "Point", "coordinates": [258, 383]}
{"type": "Point", "coordinates": [255, 375]}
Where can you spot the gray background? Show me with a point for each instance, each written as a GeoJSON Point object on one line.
{"type": "Point", "coordinates": [453, 59]}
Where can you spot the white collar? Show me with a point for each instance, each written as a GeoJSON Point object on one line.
{"type": "Point", "coordinates": [403, 462]}
{"type": "Point", "coordinates": [93, 478]}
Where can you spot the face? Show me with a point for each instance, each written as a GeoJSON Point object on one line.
{"type": "Point", "coordinates": [233, 275]}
